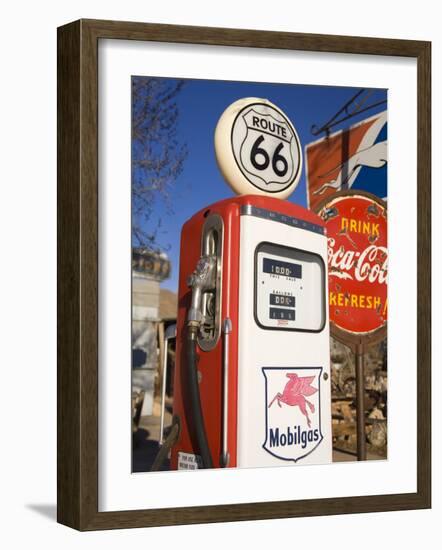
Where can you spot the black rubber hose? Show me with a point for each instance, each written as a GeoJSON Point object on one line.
{"type": "Point", "coordinates": [195, 402]}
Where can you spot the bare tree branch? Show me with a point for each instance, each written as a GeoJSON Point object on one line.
{"type": "Point", "coordinates": [157, 156]}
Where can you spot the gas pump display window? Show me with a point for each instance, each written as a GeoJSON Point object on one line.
{"type": "Point", "coordinates": [289, 288]}
{"type": "Point", "coordinates": [276, 267]}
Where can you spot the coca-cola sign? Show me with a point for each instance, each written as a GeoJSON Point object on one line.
{"type": "Point", "coordinates": [357, 261]}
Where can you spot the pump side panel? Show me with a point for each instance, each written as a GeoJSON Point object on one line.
{"type": "Point", "coordinates": [272, 433]}
{"type": "Point", "coordinates": [210, 362]}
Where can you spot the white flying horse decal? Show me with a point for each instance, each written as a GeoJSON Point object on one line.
{"type": "Point", "coordinates": [369, 153]}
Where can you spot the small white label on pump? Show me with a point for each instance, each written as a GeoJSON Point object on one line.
{"type": "Point", "coordinates": [187, 461]}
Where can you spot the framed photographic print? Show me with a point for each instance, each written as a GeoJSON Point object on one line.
{"type": "Point", "coordinates": [240, 215]}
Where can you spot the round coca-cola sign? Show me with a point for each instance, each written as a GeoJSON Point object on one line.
{"type": "Point", "coordinates": [356, 226]}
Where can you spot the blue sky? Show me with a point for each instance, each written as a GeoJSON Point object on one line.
{"type": "Point", "coordinates": [201, 103]}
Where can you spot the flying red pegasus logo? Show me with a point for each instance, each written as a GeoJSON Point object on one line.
{"type": "Point", "coordinates": [295, 392]}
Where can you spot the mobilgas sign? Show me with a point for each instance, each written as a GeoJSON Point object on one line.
{"type": "Point", "coordinates": [357, 261]}
{"type": "Point", "coordinates": [258, 149]}
{"type": "Point", "coordinates": [293, 412]}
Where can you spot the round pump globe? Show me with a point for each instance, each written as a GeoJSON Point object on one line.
{"type": "Point", "coordinates": [258, 149]}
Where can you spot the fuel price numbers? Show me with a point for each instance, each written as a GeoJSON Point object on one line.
{"type": "Point", "coordinates": [278, 267]}
{"type": "Point", "coordinates": [279, 300]}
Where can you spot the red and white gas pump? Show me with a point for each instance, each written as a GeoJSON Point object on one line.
{"type": "Point", "coordinates": [252, 375]}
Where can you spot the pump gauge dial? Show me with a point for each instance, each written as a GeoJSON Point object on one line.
{"type": "Point", "coordinates": [289, 288]}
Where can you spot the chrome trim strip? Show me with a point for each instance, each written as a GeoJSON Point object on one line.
{"type": "Point", "coordinates": [227, 329]}
{"type": "Point", "coordinates": [250, 210]}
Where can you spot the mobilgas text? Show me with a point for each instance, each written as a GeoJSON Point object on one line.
{"type": "Point", "coordinates": [292, 436]}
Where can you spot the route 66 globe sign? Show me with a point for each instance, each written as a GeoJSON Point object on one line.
{"type": "Point", "coordinates": [257, 149]}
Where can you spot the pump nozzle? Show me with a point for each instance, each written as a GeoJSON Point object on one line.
{"type": "Point", "coordinates": [200, 281]}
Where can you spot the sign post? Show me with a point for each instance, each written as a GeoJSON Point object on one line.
{"type": "Point", "coordinates": [356, 225]}
{"type": "Point", "coordinates": [360, 402]}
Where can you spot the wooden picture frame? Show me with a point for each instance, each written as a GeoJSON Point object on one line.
{"type": "Point", "coordinates": [78, 274]}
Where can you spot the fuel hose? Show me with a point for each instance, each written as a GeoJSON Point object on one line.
{"type": "Point", "coordinates": [195, 399]}
{"type": "Point", "coordinates": [196, 411]}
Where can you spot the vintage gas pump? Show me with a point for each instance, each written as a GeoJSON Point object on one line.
{"type": "Point", "coordinates": [252, 375]}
